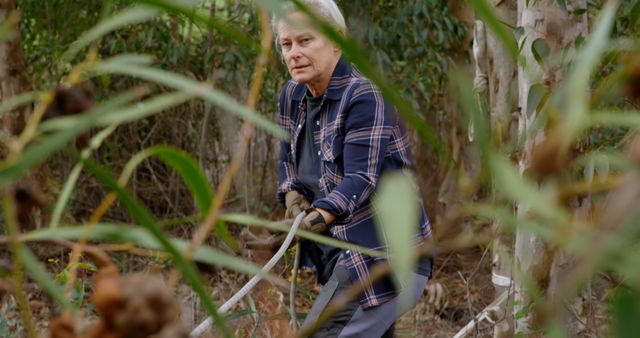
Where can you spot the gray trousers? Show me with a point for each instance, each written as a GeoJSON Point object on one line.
{"type": "Point", "coordinates": [354, 321]}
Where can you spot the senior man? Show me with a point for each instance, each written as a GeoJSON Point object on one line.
{"type": "Point", "coordinates": [344, 135]}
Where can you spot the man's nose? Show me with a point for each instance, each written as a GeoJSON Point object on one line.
{"type": "Point", "coordinates": [295, 51]}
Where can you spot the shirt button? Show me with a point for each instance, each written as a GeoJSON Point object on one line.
{"type": "Point", "coordinates": [317, 122]}
{"type": "Point", "coordinates": [348, 252]}
{"type": "Point", "coordinates": [354, 196]}
{"type": "Point", "coordinates": [299, 126]}
{"type": "Point", "coordinates": [319, 152]}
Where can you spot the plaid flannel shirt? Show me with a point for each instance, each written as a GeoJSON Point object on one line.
{"type": "Point", "coordinates": [359, 137]}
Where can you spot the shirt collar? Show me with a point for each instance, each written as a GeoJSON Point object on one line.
{"type": "Point", "coordinates": [339, 79]}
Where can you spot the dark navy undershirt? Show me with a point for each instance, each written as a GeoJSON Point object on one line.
{"type": "Point", "coordinates": [322, 256]}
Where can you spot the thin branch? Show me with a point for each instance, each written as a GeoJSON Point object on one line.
{"type": "Point", "coordinates": [17, 277]}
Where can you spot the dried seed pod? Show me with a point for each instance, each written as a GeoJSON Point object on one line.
{"type": "Point", "coordinates": [70, 100]}
{"type": "Point", "coordinates": [62, 326]}
{"type": "Point", "coordinates": [109, 298]}
{"type": "Point", "coordinates": [28, 198]}
{"type": "Point", "coordinates": [150, 306]}
{"type": "Point", "coordinates": [548, 157]}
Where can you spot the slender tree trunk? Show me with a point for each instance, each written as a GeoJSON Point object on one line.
{"type": "Point", "coordinates": [544, 24]}
{"type": "Point", "coordinates": [13, 79]}
{"type": "Point", "coordinates": [496, 83]}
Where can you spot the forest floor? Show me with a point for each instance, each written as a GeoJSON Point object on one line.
{"type": "Point", "coordinates": [462, 277]}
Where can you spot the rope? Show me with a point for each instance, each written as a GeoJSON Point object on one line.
{"type": "Point", "coordinates": [206, 324]}
{"type": "Point", "coordinates": [292, 290]}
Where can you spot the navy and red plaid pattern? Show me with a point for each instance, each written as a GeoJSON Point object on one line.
{"type": "Point", "coordinates": [360, 137]}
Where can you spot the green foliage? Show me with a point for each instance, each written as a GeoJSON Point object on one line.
{"type": "Point", "coordinates": [397, 217]}
{"type": "Point", "coordinates": [413, 43]}
{"type": "Point", "coordinates": [625, 310]}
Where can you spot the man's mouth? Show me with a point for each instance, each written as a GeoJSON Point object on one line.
{"type": "Point", "coordinates": [299, 67]}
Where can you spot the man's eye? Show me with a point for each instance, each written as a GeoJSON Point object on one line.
{"type": "Point", "coordinates": [286, 45]}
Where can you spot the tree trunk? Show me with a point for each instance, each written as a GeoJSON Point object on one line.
{"type": "Point", "coordinates": [544, 24]}
{"type": "Point", "coordinates": [498, 72]}
{"type": "Point", "coordinates": [13, 79]}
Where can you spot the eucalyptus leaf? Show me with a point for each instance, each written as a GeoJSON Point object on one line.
{"type": "Point", "coordinates": [17, 101]}
{"type": "Point", "coordinates": [536, 98]}
{"type": "Point", "coordinates": [518, 188]}
{"type": "Point", "coordinates": [139, 236]}
{"type": "Point", "coordinates": [183, 83]}
{"type": "Point", "coordinates": [129, 16]}
{"type": "Point", "coordinates": [192, 175]}
{"type": "Point", "coordinates": [540, 50]}
{"type": "Point", "coordinates": [67, 189]}
{"type": "Point", "coordinates": [104, 114]}
{"type": "Point", "coordinates": [397, 215]}
{"type": "Point", "coordinates": [486, 14]}
{"type": "Point", "coordinates": [577, 84]}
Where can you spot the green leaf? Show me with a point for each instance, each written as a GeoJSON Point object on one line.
{"type": "Point", "coordinates": [485, 13]}
{"type": "Point", "coordinates": [129, 16]}
{"type": "Point", "coordinates": [536, 98]}
{"type": "Point", "coordinates": [218, 24]}
{"type": "Point", "coordinates": [183, 83]}
{"type": "Point", "coordinates": [626, 311]}
{"type": "Point", "coordinates": [629, 119]}
{"type": "Point", "coordinates": [17, 101]}
{"type": "Point", "coordinates": [39, 274]}
{"type": "Point", "coordinates": [192, 175]}
{"type": "Point", "coordinates": [138, 235]}
{"type": "Point", "coordinates": [562, 4]}
{"type": "Point", "coordinates": [577, 84]}
{"type": "Point", "coordinates": [397, 215]}
{"type": "Point", "coordinates": [540, 50]}
{"type": "Point", "coordinates": [518, 188]}
{"type": "Point", "coordinates": [67, 189]}
{"type": "Point", "coordinates": [579, 11]}
{"type": "Point", "coordinates": [144, 218]}
{"type": "Point", "coordinates": [251, 220]}
{"type": "Point", "coordinates": [505, 216]}
{"type": "Point", "coordinates": [104, 114]}
{"type": "Point", "coordinates": [518, 33]}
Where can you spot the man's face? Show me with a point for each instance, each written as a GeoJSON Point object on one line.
{"type": "Point", "coordinates": [310, 57]}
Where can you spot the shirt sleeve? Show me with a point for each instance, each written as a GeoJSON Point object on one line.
{"type": "Point", "coordinates": [368, 128]}
{"type": "Point", "coordinates": [287, 176]}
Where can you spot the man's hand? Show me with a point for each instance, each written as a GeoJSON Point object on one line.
{"type": "Point", "coordinates": [295, 203]}
{"type": "Point", "coordinates": [313, 222]}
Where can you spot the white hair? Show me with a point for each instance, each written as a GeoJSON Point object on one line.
{"type": "Point", "coordinates": [327, 10]}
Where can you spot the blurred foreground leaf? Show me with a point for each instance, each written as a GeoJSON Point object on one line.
{"type": "Point", "coordinates": [397, 214]}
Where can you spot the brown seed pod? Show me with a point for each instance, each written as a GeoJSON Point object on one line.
{"type": "Point", "coordinates": [109, 298]}
{"type": "Point", "coordinates": [632, 86]}
{"type": "Point", "coordinates": [28, 198]}
{"type": "Point", "coordinates": [62, 326]}
{"type": "Point", "coordinates": [70, 100]}
{"type": "Point", "coordinates": [548, 157]}
{"type": "Point", "coordinates": [150, 305]}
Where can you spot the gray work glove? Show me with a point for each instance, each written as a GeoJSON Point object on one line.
{"type": "Point", "coordinates": [295, 203]}
{"type": "Point", "coordinates": [313, 222]}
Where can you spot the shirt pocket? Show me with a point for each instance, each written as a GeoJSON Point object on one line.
{"type": "Point", "coordinates": [332, 161]}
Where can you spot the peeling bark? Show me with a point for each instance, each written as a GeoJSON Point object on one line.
{"type": "Point", "coordinates": [544, 20]}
